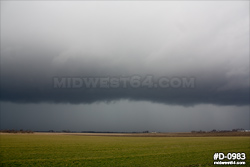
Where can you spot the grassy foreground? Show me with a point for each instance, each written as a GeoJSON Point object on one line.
{"type": "Point", "coordinates": [77, 150]}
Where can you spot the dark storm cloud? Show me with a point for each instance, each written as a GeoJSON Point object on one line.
{"type": "Point", "coordinates": [43, 40]}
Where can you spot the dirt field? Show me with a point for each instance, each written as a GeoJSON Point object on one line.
{"type": "Point", "coordinates": [187, 134]}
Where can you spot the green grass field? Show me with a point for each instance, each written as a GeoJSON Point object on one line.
{"type": "Point", "coordinates": [76, 150]}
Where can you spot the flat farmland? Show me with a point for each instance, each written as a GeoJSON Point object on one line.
{"type": "Point", "coordinates": [51, 149]}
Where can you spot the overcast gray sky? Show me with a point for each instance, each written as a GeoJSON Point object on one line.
{"type": "Point", "coordinates": [207, 41]}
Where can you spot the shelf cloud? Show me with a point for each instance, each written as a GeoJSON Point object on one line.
{"type": "Point", "coordinates": [41, 41]}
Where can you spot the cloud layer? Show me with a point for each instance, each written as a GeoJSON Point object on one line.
{"type": "Point", "coordinates": [205, 40]}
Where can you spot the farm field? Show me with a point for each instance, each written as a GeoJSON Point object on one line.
{"type": "Point", "coordinates": [110, 150]}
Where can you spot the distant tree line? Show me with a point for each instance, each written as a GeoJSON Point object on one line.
{"type": "Point", "coordinates": [16, 131]}
{"type": "Point", "coordinates": [216, 131]}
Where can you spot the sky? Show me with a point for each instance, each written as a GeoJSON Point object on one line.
{"type": "Point", "coordinates": [125, 66]}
